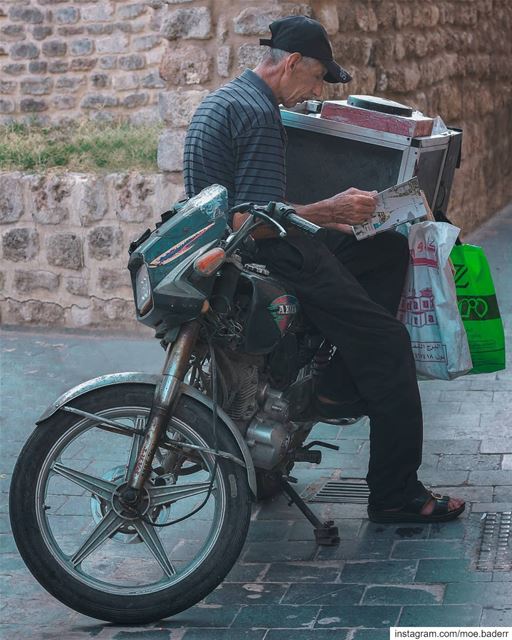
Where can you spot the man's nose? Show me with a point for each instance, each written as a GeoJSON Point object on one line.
{"type": "Point", "coordinates": [317, 90]}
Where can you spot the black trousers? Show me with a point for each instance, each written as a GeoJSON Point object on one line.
{"type": "Point", "coordinates": [350, 290]}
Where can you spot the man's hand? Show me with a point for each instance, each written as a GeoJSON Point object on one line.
{"type": "Point", "coordinates": [352, 206]}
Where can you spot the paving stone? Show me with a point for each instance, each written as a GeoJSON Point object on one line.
{"type": "Point", "coordinates": [491, 594]}
{"type": "Point", "coordinates": [323, 594]}
{"type": "Point", "coordinates": [302, 572]}
{"type": "Point", "coordinates": [363, 616]}
{"type": "Point", "coordinates": [474, 462]}
{"type": "Point", "coordinates": [279, 552]}
{"type": "Point", "coordinates": [247, 573]}
{"type": "Point", "coordinates": [447, 570]}
{"type": "Point", "coordinates": [224, 634]}
{"type": "Point", "coordinates": [375, 572]}
{"type": "Point", "coordinates": [348, 529]}
{"type": "Point", "coordinates": [363, 548]}
{"type": "Point", "coordinates": [261, 530]}
{"type": "Point", "coordinates": [440, 616]}
{"type": "Point", "coordinates": [248, 593]}
{"type": "Point", "coordinates": [427, 549]}
{"type": "Point", "coordinates": [494, 478]}
{"type": "Point", "coordinates": [284, 616]}
{"type": "Point", "coordinates": [496, 617]}
{"type": "Point", "coordinates": [496, 445]}
{"type": "Point", "coordinates": [370, 634]}
{"type": "Point", "coordinates": [397, 532]}
{"type": "Point", "coordinates": [452, 446]}
{"type": "Point", "coordinates": [307, 634]}
{"type": "Point", "coordinates": [405, 594]}
{"type": "Point", "coordinates": [204, 616]}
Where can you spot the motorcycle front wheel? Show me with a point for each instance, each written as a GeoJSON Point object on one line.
{"type": "Point", "coordinates": [87, 550]}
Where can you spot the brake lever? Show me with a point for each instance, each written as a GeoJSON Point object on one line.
{"type": "Point", "coordinates": [264, 216]}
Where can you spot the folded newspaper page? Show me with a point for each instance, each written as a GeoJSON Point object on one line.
{"type": "Point", "coordinates": [396, 205]}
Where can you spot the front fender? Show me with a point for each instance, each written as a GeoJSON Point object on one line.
{"type": "Point", "coordinates": [130, 377]}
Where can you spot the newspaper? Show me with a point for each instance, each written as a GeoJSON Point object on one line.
{"type": "Point", "coordinates": [396, 205]}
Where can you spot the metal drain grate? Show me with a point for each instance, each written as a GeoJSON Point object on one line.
{"type": "Point", "coordinates": [495, 552]}
{"type": "Point", "coordinates": [352, 490]}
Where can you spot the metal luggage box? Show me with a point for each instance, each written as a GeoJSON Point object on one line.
{"type": "Point", "coordinates": [325, 157]}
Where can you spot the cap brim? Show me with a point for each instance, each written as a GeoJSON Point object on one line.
{"type": "Point", "coordinates": [335, 73]}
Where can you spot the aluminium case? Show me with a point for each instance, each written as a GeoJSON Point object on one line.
{"type": "Point", "coordinates": [325, 157]}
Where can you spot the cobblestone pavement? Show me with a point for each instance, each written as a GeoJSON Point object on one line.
{"type": "Point", "coordinates": [284, 586]}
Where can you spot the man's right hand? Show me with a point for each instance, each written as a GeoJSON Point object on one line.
{"type": "Point", "coordinates": [352, 206]}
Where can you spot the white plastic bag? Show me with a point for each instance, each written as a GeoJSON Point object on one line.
{"type": "Point", "coordinates": [429, 304]}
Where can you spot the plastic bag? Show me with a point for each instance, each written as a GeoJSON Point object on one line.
{"type": "Point", "coordinates": [429, 304]}
{"type": "Point", "coordinates": [478, 308]}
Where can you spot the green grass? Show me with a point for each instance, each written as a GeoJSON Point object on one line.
{"type": "Point", "coordinates": [85, 146]}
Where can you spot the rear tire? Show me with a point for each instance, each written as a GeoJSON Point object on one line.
{"type": "Point", "coordinates": [38, 466]}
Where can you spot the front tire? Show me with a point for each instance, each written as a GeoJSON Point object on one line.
{"type": "Point", "coordinates": [68, 527]}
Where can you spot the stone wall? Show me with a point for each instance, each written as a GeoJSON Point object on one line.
{"type": "Point", "coordinates": [64, 245]}
{"type": "Point", "coordinates": [64, 237]}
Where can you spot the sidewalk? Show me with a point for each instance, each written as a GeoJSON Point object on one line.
{"type": "Point", "coordinates": [284, 586]}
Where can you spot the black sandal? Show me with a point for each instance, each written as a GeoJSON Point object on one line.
{"type": "Point", "coordinates": [411, 512]}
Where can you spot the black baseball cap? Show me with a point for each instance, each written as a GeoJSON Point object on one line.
{"type": "Point", "coordinates": [308, 37]}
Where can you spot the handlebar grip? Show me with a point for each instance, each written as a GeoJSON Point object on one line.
{"type": "Point", "coordinates": [302, 224]}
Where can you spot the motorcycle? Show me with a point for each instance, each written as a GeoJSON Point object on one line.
{"type": "Point", "coordinates": [131, 500]}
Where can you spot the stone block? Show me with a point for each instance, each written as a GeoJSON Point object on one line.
{"type": "Point", "coordinates": [6, 106]}
{"type": "Point", "coordinates": [132, 195]}
{"type": "Point", "coordinates": [108, 62]}
{"type": "Point", "coordinates": [366, 18]}
{"type": "Point", "coordinates": [126, 82]}
{"type": "Point", "coordinates": [327, 14]}
{"type": "Point", "coordinates": [114, 44]}
{"type": "Point", "coordinates": [67, 15]}
{"type": "Point", "coordinates": [112, 312]}
{"type": "Point", "coordinates": [65, 250]}
{"type": "Point", "coordinates": [36, 87]}
{"type": "Point", "coordinates": [20, 245]}
{"type": "Point", "coordinates": [77, 286]}
{"type": "Point", "coordinates": [99, 101]}
{"type": "Point", "coordinates": [89, 197]}
{"type": "Point", "coordinates": [224, 61]}
{"type": "Point", "coordinates": [97, 11]}
{"type": "Point", "coordinates": [152, 81]}
{"type": "Point", "coordinates": [83, 64]}
{"type": "Point", "coordinates": [23, 51]}
{"type": "Point", "coordinates": [54, 48]}
{"type": "Point", "coordinates": [14, 69]}
{"type": "Point", "coordinates": [63, 102]}
{"type": "Point", "coordinates": [103, 29]}
{"type": "Point", "coordinates": [255, 20]}
{"type": "Point", "coordinates": [48, 197]}
{"type": "Point", "coordinates": [188, 23]}
{"type": "Point", "coordinates": [11, 197]}
{"type": "Point", "coordinates": [104, 242]}
{"type": "Point", "coordinates": [29, 105]}
{"type": "Point", "coordinates": [130, 11]}
{"type": "Point", "coordinates": [38, 66]}
{"type": "Point", "coordinates": [132, 62]}
{"type": "Point", "coordinates": [70, 84]}
{"type": "Point", "coordinates": [58, 66]}
{"type": "Point", "coordinates": [29, 15]}
{"type": "Point", "coordinates": [29, 281]}
{"type": "Point", "coordinates": [41, 32]}
{"type": "Point", "coordinates": [12, 33]}
{"type": "Point", "coordinates": [82, 47]}
{"type": "Point", "coordinates": [100, 80]}
{"type": "Point", "coordinates": [36, 312]}
{"type": "Point", "coordinates": [111, 280]}
{"type": "Point", "coordinates": [249, 55]}
{"type": "Point", "coordinates": [186, 65]}
{"type": "Point", "coordinates": [134, 100]}
{"type": "Point", "coordinates": [170, 151]}
{"type": "Point", "coordinates": [67, 32]}
{"type": "Point", "coordinates": [132, 27]}
{"type": "Point", "coordinates": [7, 86]}
{"type": "Point", "coordinates": [145, 43]}
{"type": "Point", "coordinates": [177, 107]}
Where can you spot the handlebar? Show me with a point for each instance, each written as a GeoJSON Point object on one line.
{"type": "Point", "coordinates": [277, 213]}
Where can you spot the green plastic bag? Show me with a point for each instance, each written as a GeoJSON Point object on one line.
{"type": "Point", "coordinates": [478, 307]}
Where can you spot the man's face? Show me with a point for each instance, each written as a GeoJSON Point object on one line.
{"type": "Point", "coordinates": [302, 80]}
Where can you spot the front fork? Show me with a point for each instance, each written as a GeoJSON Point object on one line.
{"type": "Point", "coordinates": [164, 401]}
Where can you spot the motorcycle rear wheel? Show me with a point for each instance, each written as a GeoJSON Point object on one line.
{"type": "Point", "coordinates": [79, 543]}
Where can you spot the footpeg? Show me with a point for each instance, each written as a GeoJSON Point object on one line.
{"type": "Point", "coordinates": [319, 443]}
{"type": "Point", "coordinates": [304, 455]}
{"type": "Point", "coordinates": [327, 535]}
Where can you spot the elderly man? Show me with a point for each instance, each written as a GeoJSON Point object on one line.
{"type": "Point", "coordinates": [349, 290]}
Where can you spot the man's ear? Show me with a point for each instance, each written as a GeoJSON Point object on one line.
{"type": "Point", "coordinates": [292, 61]}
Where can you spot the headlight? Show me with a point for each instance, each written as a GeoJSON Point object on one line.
{"type": "Point", "coordinates": [143, 296]}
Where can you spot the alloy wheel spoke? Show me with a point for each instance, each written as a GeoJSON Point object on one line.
{"type": "Point", "coordinates": [97, 486]}
{"type": "Point", "coordinates": [107, 526]}
{"type": "Point", "coordinates": [152, 540]}
{"type": "Point", "coordinates": [136, 445]}
{"type": "Point", "coordinates": [166, 495]}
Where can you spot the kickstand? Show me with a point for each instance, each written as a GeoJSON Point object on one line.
{"type": "Point", "coordinates": [326, 534]}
